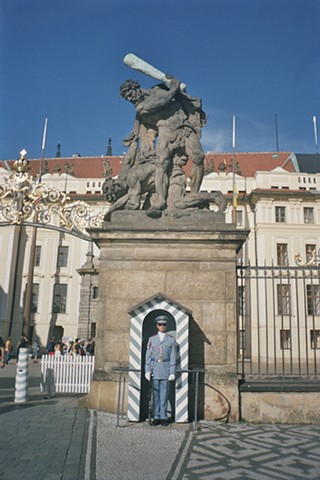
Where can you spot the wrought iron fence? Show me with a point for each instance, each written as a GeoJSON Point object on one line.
{"type": "Point", "coordinates": [279, 323]}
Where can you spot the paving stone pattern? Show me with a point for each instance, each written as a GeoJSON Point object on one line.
{"type": "Point", "coordinates": [42, 440]}
{"type": "Point", "coordinates": [135, 452]}
{"type": "Point", "coordinates": [259, 452]}
{"type": "Point", "coordinates": [55, 439]}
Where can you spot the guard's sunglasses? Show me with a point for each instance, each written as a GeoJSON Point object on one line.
{"type": "Point", "coordinates": [162, 324]}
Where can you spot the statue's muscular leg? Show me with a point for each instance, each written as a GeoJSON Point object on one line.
{"type": "Point", "coordinates": [161, 176]}
{"type": "Point", "coordinates": [195, 152]}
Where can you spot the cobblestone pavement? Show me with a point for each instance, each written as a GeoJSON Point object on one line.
{"type": "Point", "coordinates": [42, 439]}
{"type": "Point", "coordinates": [259, 452]}
{"type": "Point", "coordinates": [135, 452]}
{"type": "Point", "coordinates": [216, 451]}
{"type": "Point", "coordinates": [51, 439]}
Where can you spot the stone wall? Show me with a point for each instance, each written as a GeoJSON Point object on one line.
{"type": "Point", "coordinates": [280, 407]}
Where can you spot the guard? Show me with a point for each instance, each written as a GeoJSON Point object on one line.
{"type": "Point", "coordinates": [160, 364]}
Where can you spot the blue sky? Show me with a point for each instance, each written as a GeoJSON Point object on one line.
{"type": "Point", "coordinates": [63, 59]}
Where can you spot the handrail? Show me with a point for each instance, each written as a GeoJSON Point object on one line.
{"type": "Point", "coordinates": [195, 382]}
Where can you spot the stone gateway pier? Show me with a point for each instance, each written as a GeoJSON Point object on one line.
{"type": "Point", "coordinates": [187, 268]}
{"type": "Point", "coordinates": [165, 249]}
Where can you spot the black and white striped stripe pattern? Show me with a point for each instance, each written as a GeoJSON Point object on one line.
{"type": "Point", "coordinates": [21, 385]}
{"type": "Point", "coordinates": [181, 316]}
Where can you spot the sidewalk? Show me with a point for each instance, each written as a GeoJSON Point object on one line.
{"type": "Point", "coordinates": [216, 451]}
{"type": "Point", "coordinates": [51, 439]}
{"type": "Point", "coordinates": [42, 439]}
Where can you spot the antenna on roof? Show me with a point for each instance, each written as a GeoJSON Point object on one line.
{"type": "Point", "coordinates": [277, 135]}
{"type": "Point", "coordinates": [315, 132]}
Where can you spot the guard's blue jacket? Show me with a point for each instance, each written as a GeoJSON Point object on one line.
{"type": "Point", "coordinates": [161, 357]}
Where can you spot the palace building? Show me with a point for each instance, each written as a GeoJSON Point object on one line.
{"type": "Point", "coordinates": [275, 195]}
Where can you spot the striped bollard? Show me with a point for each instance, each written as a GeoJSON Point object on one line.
{"type": "Point", "coordinates": [21, 388]}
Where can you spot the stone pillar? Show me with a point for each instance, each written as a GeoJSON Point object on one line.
{"type": "Point", "coordinates": [192, 260]}
{"type": "Point", "coordinates": [88, 307]}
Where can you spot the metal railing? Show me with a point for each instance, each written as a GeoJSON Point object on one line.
{"type": "Point", "coordinates": [279, 323]}
{"type": "Point", "coordinates": [123, 371]}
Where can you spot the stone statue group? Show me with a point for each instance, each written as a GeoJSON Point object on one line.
{"type": "Point", "coordinates": [165, 135]}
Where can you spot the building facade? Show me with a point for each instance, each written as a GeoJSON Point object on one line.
{"type": "Point", "coordinates": [274, 200]}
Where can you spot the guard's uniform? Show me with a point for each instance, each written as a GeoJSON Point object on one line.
{"type": "Point", "coordinates": [160, 362]}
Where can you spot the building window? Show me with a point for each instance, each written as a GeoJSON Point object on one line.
{"type": "Point", "coordinates": [315, 339]}
{"type": "Point", "coordinates": [37, 256]}
{"type": "Point", "coordinates": [285, 339]}
{"type": "Point", "coordinates": [282, 254]}
{"type": "Point", "coordinates": [93, 329]}
{"type": "Point", "coordinates": [60, 298]}
{"type": "Point", "coordinates": [95, 292]}
{"type": "Point", "coordinates": [308, 216]}
{"type": "Point", "coordinates": [34, 297]}
{"type": "Point", "coordinates": [239, 218]}
{"type": "Point", "coordinates": [313, 299]}
{"type": "Point", "coordinates": [62, 259]}
{"type": "Point", "coordinates": [283, 299]}
{"type": "Point", "coordinates": [311, 251]}
{"type": "Point", "coordinates": [280, 214]}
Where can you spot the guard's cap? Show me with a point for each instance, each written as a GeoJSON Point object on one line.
{"type": "Point", "coordinates": [161, 319]}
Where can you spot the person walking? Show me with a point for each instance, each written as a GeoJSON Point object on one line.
{"type": "Point", "coordinates": [51, 345]}
{"type": "Point", "coordinates": [7, 350]}
{"type": "Point", "coordinates": [23, 343]}
{"type": "Point", "coordinates": [160, 367]}
{"type": "Point", "coordinates": [2, 345]}
{"type": "Point", "coordinates": [35, 351]}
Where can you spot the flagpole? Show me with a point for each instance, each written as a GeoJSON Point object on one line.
{"type": "Point", "coordinates": [27, 307]}
{"type": "Point", "coordinates": [315, 132]}
{"type": "Point", "coordinates": [43, 148]}
{"type": "Point", "coordinates": [234, 198]}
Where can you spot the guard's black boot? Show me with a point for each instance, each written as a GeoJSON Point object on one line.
{"type": "Point", "coordinates": [165, 423]}
{"type": "Point", "coordinates": [155, 422]}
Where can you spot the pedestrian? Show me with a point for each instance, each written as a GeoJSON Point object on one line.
{"type": "Point", "coordinates": [78, 347]}
{"type": "Point", "coordinates": [7, 350]}
{"type": "Point", "coordinates": [57, 350]}
{"type": "Point", "coordinates": [35, 351]}
{"type": "Point", "coordinates": [2, 362]}
{"type": "Point", "coordinates": [90, 347]}
{"type": "Point", "coordinates": [160, 368]}
{"type": "Point", "coordinates": [51, 345]}
{"type": "Point", "coordinates": [70, 347]}
{"type": "Point", "coordinates": [23, 343]}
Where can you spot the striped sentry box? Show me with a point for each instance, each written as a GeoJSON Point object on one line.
{"type": "Point", "coordinates": [138, 315]}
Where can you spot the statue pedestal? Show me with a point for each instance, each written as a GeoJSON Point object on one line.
{"type": "Point", "coordinates": [191, 260]}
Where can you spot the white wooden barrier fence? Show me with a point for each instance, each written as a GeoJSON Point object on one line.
{"type": "Point", "coordinates": [66, 373]}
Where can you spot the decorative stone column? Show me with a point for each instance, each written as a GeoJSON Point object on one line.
{"type": "Point", "coordinates": [191, 260]}
{"type": "Point", "coordinates": [88, 307]}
